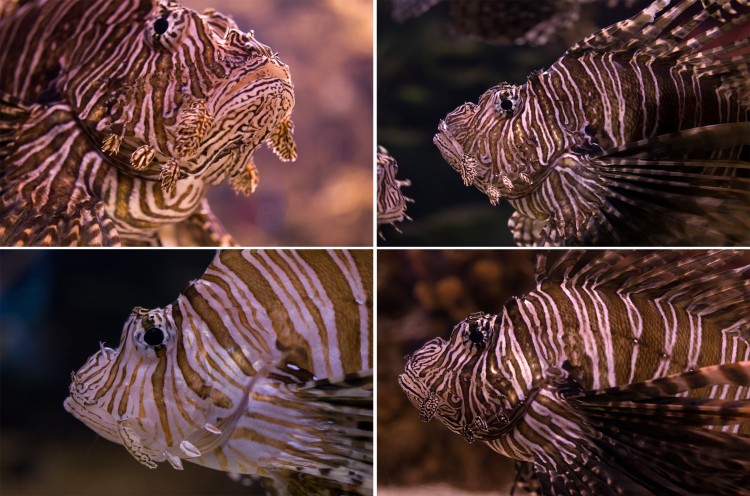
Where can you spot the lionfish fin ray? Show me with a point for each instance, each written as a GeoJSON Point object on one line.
{"type": "Point", "coordinates": [84, 223]}
{"type": "Point", "coordinates": [13, 112]}
{"type": "Point", "coordinates": [344, 405]}
{"type": "Point", "coordinates": [683, 143]}
{"type": "Point", "coordinates": [621, 34]}
{"type": "Point", "coordinates": [642, 438]}
{"type": "Point", "coordinates": [526, 230]}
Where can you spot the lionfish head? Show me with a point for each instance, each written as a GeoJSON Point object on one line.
{"type": "Point", "coordinates": [86, 400]}
{"type": "Point", "coordinates": [452, 380]}
{"type": "Point", "coordinates": [195, 92]}
{"type": "Point", "coordinates": [131, 395]}
{"type": "Point", "coordinates": [486, 144]}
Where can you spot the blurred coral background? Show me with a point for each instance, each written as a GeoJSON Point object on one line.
{"type": "Point", "coordinates": [325, 197]}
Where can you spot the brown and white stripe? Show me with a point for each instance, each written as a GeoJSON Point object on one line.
{"type": "Point", "coordinates": [163, 100]}
{"type": "Point", "coordinates": [262, 366]}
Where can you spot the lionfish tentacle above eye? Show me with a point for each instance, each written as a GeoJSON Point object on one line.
{"type": "Point", "coordinates": [638, 135]}
{"type": "Point", "coordinates": [622, 372]}
{"type": "Point", "coordinates": [262, 366]}
{"type": "Point", "coordinates": [151, 105]}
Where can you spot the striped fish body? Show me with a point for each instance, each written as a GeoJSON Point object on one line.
{"type": "Point", "coordinates": [640, 128]}
{"type": "Point", "coordinates": [262, 367]}
{"type": "Point", "coordinates": [391, 201]}
{"type": "Point", "coordinates": [615, 363]}
{"type": "Point", "coordinates": [162, 102]}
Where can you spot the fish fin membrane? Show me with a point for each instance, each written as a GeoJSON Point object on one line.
{"type": "Point", "coordinates": [707, 37]}
{"type": "Point", "coordinates": [678, 186]}
{"type": "Point", "coordinates": [712, 284]}
{"type": "Point", "coordinates": [526, 230]}
{"type": "Point", "coordinates": [43, 203]}
{"type": "Point", "coordinates": [642, 439]}
{"type": "Point", "coordinates": [13, 113]}
{"type": "Point", "coordinates": [344, 405]}
{"type": "Point", "coordinates": [82, 224]}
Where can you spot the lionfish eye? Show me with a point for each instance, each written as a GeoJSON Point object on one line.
{"type": "Point", "coordinates": [506, 105]}
{"type": "Point", "coordinates": [475, 336]}
{"type": "Point", "coordinates": [161, 25]}
{"type": "Point", "coordinates": [154, 336]}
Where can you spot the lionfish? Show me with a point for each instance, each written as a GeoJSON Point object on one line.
{"type": "Point", "coordinates": [533, 23]}
{"type": "Point", "coordinates": [391, 201]}
{"type": "Point", "coordinates": [620, 373]}
{"type": "Point", "coordinates": [115, 117]}
{"type": "Point", "coordinates": [262, 366]}
{"type": "Point", "coordinates": [638, 134]}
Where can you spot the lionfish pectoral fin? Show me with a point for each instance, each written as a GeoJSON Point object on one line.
{"type": "Point", "coordinates": [663, 188]}
{"type": "Point", "coordinates": [643, 439]}
{"type": "Point", "coordinates": [211, 435]}
{"type": "Point", "coordinates": [353, 389]}
{"type": "Point", "coordinates": [340, 409]}
{"type": "Point", "coordinates": [83, 224]}
{"type": "Point", "coordinates": [526, 230]}
{"type": "Point", "coordinates": [130, 438]}
{"type": "Point", "coordinates": [657, 200]}
{"type": "Point", "coordinates": [655, 399]}
{"type": "Point", "coordinates": [281, 141]}
{"type": "Point", "coordinates": [678, 144]}
{"type": "Point", "coordinates": [13, 112]}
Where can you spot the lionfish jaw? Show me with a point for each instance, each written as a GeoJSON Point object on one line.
{"type": "Point", "coordinates": [451, 150]}
{"type": "Point", "coordinates": [453, 153]}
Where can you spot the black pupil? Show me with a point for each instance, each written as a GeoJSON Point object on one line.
{"type": "Point", "coordinates": [161, 25]}
{"type": "Point", "coordinates": [506, 105]}
{"type": "Point", "coordinates": [476, 336]}
{"type": "Point", "coordinates": [154, 337]}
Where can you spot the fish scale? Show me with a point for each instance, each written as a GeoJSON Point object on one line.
{"type": "Point", "coordinates": [611, 356]}
{"type": "Point", "coordinates": [161, 103]}
{"type": "Point", "coordinates": [637, 135]}
{"type": "Point", "coordinates": [263, 366]}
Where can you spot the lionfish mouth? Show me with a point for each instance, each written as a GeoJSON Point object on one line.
{"type": "Point", "coordinates": [450, 148]}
